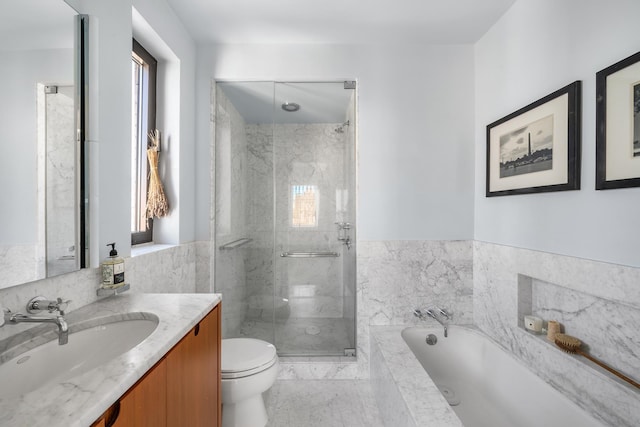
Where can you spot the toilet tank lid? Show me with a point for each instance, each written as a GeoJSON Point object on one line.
{"type": "Point", "coordinates": [243, 354]}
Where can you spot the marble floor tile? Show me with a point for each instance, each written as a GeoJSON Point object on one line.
{"type": "Point", "coordinates": [322, 403]}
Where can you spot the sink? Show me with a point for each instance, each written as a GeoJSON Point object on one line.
{"type": "Point", "coordinates": [91, 344]}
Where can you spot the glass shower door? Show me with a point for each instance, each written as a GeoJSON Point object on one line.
{"type": "Point", "coordinates": [310, 157]}
{"type": "Point", "coordinates": [244, 270]}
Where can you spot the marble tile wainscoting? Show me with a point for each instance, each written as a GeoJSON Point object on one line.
{"type": "Point", "coordinates": [16, 262]}
{"type": "Point", "coordinates": [596, 302]}
{"type": "Point", "coordinates": [399, 276]}
{"type": "Point", "coordinates": [169, 270]}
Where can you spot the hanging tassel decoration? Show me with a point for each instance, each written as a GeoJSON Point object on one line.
{"type": "Point", "coordinates": [157, 203]}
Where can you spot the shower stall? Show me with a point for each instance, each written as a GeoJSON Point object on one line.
{"type": "Point", "coordinates": [285, 228]}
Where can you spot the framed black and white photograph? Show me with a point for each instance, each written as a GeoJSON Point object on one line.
{"type": "Point", "coordinates": [618, 125]}
{"type": "Point", "coordinates": [537, 148]}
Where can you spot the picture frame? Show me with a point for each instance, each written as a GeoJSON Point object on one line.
{"type": "Point", "coordinates": [618, 125]}
{"type": "Point", "coordinates": [537, 149]}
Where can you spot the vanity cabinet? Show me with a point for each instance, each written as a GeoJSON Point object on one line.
{"type": "Point", "coordinates": [144, 404]}
{"type": "Point", "coordinates": [193, 376]}
{"type": "Point", "coordinates": [182, 389]}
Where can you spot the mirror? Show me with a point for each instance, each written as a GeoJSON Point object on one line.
{"type": "Point", "coordinates": [42, 218]}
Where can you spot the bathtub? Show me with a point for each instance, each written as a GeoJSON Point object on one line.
{"type": "Point", "coordinates": [469, 381]}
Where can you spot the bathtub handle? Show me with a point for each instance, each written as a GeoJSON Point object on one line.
{"type": "Point", "coordinates": [444, 313]}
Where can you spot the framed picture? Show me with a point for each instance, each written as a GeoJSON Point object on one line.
{"type": "Point", "coordinates": [537, 148]}
{"type": "Point", "coordinates": [618, 125]}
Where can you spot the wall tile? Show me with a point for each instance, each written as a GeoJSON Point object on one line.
{"type": "Point", "coordinates": [170, 270]}
{"type": "Point", "coordinates": [597, 302]}
{"type": "Point", "coordinates": [403, 275]}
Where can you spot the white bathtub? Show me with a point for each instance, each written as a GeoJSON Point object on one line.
{"type": "Point", "coordinates": [493, 388]}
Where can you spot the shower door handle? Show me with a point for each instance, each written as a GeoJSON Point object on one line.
{"type": "Point", "coordinates": [309, 254]}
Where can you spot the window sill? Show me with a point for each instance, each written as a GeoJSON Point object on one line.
{"type": "Point", "coordinates": [147, 248]}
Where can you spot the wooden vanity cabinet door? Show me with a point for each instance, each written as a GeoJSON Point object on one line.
{"type": "Point", "coordinates": [144, 404]}
{"type": "Point", "coordinates": [193, 376]}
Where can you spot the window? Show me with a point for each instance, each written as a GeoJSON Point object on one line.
{"type": "Point", "coordinates": [143, 119]}
{"type": "Point", "coordinates": [304, 206]}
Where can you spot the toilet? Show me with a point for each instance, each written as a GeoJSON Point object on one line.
{"type": "Point", "coordinates": [249, 368]}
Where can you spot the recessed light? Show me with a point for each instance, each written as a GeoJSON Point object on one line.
{"type": "Point", "coordinates": [290, 107]}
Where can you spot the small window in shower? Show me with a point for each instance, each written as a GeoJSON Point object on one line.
{"type": "Point", "coordinates": [304, 206]}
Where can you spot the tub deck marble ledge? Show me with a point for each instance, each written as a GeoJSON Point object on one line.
{"type": "Point", "coordinates": [424, 404]}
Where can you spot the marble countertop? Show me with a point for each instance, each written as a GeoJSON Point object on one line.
{"type": "Point", "coordinates": [79, 401]}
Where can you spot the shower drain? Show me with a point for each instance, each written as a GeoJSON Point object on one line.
{"type": "Point", "coordinates": [312, 330]}
{"type": "Point", "coordinates": [449, 394]}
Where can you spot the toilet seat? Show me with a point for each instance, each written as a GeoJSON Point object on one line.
{"type": "Point", "coordinates": [242, 357]}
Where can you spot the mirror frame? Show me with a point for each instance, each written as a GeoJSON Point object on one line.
{"type": "Point", "coordinates": [82, 131]}
{"type": "Point", "coordinates": [78, 27]}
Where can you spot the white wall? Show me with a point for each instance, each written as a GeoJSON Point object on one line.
{"type": "Point", "coordinates": [110, 127]}
{"type": "Point", "coordinates": [537, 47]}
{"type": "Point", "coordinates": [176, 118]}
{"type": "Point", "coordinates": [110, 131]}
{"type": "Point", "coordinates": [415, 115]}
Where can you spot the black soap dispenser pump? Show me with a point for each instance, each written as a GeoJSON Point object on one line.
{"type": "Point", "coordinates": [112, 269]}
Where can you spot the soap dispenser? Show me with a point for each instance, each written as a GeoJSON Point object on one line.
{"type": "Point", "coordinates": [112, 269]}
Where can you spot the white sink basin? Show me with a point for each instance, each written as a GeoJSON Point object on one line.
{"type": "Point", "coordinates": [88, 348]}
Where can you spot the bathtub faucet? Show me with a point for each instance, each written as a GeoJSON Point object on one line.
{"type": "Point", "coordinates": [444, 313]}
{"type": "Point", "coordinates": [418, 313]}
{"type": "Point", "coordinates": [436, 313]}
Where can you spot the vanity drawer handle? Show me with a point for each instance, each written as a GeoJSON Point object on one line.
{"type": "Point", "coordinates": [114, 412]}
{"type": "Point", "coordinates": [197, 329]}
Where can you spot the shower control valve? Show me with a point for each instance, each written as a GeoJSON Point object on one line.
{"type": "Point", "coordinates": [343, 233]}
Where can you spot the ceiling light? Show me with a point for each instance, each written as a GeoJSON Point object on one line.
{"type": "Point", "coordinates": [290, 107]}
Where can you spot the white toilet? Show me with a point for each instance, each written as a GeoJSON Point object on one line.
{"type": "Point", "coordinates": [249, 368]}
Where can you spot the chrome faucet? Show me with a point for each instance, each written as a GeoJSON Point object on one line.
{"type": "Point", "coordinates": [444, 313]}
{"type": "Point", "coordinates": [434, 313]}
{"type": "Point", "coordinates": [36, 305]}
{"type": "Point", "coordinates": [418, 313]}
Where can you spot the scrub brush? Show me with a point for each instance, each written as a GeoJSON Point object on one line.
{"type": "Point", "coordinates": [572, 345]}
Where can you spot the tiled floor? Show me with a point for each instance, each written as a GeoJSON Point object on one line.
{"type": "Point", "coordinates": [322, 403]}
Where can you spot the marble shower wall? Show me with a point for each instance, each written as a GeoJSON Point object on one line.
{"type": "Point", "coordinates": [259, 216]}
{"type": "Point", "coordinates": [231, 215]}
{"type": "Point", "coordinates": [305, 154]}
{"type": "Point", "coordinates": [596, 302]}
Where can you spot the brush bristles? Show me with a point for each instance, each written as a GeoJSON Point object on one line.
{"type": "Point", "coordinates": [567, 343]}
